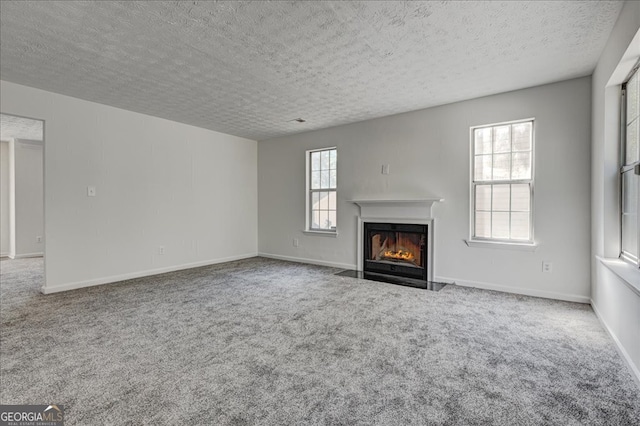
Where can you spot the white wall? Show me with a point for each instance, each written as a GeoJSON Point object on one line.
{"type": "Point", "coordinates": [617, 305]}
{"type": "Point", "coordinates": [4, 198]}
{"type": "Point", "coordinates": [158, 183]}
{"type": "Point", "coordinates": [29, 208]}
{"type": "Point", "coordinates": [428, 153]}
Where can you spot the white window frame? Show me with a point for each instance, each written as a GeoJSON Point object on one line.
{"type": "Point", "coordinates": [474, 241]}
{"type": "Point", "coordinates": [309, 195]}
{"type": "Point", "coordinates": [633, 167]}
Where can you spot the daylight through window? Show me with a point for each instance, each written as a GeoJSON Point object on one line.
{"type": "Point", "coordinates": [323, 186]}
{"type": "Point", "coordinates": [630, 170]}
{"type": "Point", "coordinates": [502, 182]}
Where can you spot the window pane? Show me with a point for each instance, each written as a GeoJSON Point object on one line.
{"type": "Point", "coordinates": [631, 151]}
{"type": "Point", "coordinates": [324, 160]}
{"type": "Point", "coordinates": [324, 179]}
{"type": "Point", "coordinates": [630, 234]}
{"type": "Point", "coordinates": [332, 179]}
{"type": "Point", "coordinates": [520, 226]}
{"type": "Point", "coordinates": [629, 213]}
{"type": "Point", "coordinates": [520, 198]}
{"type": "Point", "coordinates": [332, 201]}
{"type": "Point", "coordinates": [483, 224]}
{"type": "Point", "coordinates": [502, 139]}
{"type": "Point", "coordinates": [500, 225]}
{"type": "Point", "coordinates": [333, 218]}
{"type": "Point", "coordinates": [632, 98]}
{"type": "Point", "coordinates": [482, 167]}
{"type": "Point", "coordinates": [483, 197]}
{"type": "Point", "coordinates": [629, 192]}
{"type": "Point", "coordinates": [324, 220]}
{"type": "Point", "coordinates": [324, 200]}
{"type": "Point", "coordinates": [315, 218]}
{"type": "Point", "coordinates": [315, 161]}
{"type": "Point", "coordinates": [482, 138]}
{"type": "Point", "coordinates": [522, 136]}
{"type": "Point", "coordinates": [315, 201]}
{"type": "Point", "coordinates": [501, 166]}
{"type": "Point", "coordinates": [521, 165]}
{"type": "Point", "coordinates": [333, 159]}
{"type": "Point", "coordinates": [315, 180]}
{"type": "Point", "coordinates": [501, 198]}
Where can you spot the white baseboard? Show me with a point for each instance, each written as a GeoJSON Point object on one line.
{"type": "Point", "coordinates": [132, 275]}
{"type": "Point", "coordinates": [25, 255]}
{"type": "Point", "coordinates": [309, 261]}
{"type": "Point", "coordinates": [4, 254]}
{"type": "Point", "coordinates": [515, 290]}
{"type": "Point", "coordinates": [634, 369]}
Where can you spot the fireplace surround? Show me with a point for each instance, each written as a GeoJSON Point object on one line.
{"type": "Point", "coordinates": [398, 212]}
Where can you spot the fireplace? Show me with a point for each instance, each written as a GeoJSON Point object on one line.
{"type": "Point", "coordinates": [397, 249]}
{"type": "Point", "coordinates": [381, 215]}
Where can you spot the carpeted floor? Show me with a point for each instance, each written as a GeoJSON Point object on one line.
{"type": "Point", "coordinates": [267, 342]}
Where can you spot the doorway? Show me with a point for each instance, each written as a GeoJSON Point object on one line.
{"type": "Point", "coordinates": [22, 236]}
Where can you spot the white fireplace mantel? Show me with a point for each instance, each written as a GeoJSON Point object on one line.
{"type": "Point", "coordinates": [418, 208]}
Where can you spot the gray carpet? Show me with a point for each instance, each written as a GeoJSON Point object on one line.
{"type": "Point", "coordinates": [267, 342]}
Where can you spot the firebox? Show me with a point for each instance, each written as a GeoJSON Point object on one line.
{"type": "Point", "coordinates": [396, 249]}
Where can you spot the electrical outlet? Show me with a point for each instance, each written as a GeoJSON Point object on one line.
{"type": "Point", "coordinates": [296, 242]}
{"type": "Point", "coordinates": [547, 267]}
{"type": "Point", "coordinates": [39, 239]}
{"type": "Point", "coordinates": [161, 250]}
{"type": "Point", "coordinates": [91, 191]}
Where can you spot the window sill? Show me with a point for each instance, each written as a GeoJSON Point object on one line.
{"type": "Point", "coordinates": [625, 271]}
{"type": "Point", "coordinates": [332, 234]}
{"type": "Point", "coordinates": [501, 245]}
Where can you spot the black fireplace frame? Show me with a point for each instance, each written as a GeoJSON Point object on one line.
{"type": "Point", "coordinates": [398, 270]}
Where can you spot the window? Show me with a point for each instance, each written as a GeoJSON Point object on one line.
{"type": "Point", "coordinates": [630, 170]}
{"type": "Point", "coordinates": [322, 190]}
{"type": "Point", "coordinates": [502, 182]}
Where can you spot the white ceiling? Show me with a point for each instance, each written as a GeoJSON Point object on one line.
{"type": "Point", "coordinates": [248, 68]}
{"type": "Point", "coordinates": [12, 127]}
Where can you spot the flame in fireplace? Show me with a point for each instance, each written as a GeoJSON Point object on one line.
{"type": "Point", "coordinates": [400, 255]}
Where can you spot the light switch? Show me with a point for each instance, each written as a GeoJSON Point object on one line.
{"type": "Point", "coordinates": [91, 191]}
{"type": "Point", "coordinates": [385, 169]}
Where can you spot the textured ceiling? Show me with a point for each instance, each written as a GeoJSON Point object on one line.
{"type": "Point", "coordinates": [248, 68]}
{"type": "Point", "coordinates": [19, 128]}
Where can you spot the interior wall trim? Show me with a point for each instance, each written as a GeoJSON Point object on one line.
{"type": "Point", "coordinates": [515, 290]}
{"type": "Point", "coordinates": [25, 255]}
{"type": "Point", "coordinates": [309, 261]}
{"type": "Point", "coordinates": [140, 274]}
